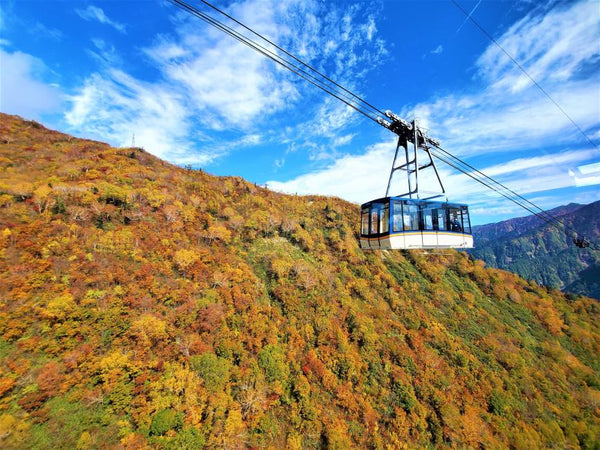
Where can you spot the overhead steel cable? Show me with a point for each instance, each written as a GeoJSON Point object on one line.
{"type": "Point", "coordinates": [363, 107]}
{"type": "Point", "coordinates": [498, 184]}
{"type": "Point", "coordinates": [522, 69]}
{"type": "Point", "coordinates": [374, 108]}
{"type": "Point", "coordinates": [493, 185]}
{"type": "Point", "coordinates": [346, 96]}
{"type": "Point", "coordinates": [482, 181]}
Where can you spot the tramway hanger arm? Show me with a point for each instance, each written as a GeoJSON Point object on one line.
{"type": "Point", "coordinates": [405, 129]}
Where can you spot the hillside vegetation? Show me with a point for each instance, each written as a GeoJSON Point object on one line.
{"type": "Point", "coordinates": [145, 305]}
{"type": "Point", "coordinates": [544, 253]}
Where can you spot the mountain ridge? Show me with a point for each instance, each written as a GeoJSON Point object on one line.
{"type": "Point", "coordinates": [540, 251]}
{"type": "Point", "coordinates": [143, 304]}
{"type": "Point", "coordinates": [520, 225]}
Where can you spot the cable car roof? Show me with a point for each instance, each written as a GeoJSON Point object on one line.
{"type": "Point", "coordinates": [415, 201]}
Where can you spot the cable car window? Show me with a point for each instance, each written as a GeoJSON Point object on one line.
{"type": "Point", "coordinates": [397, 216]}
{"type": "Point", "coordinates": [376, 214]}
{"type": "Point", "coordinates": [384, 225]}
{"type": "Point", "coordinates": [411, 217]}
{"type": "Point", "coordinates": [455, 219]}
{"type": "Point", "coordinates": [374, 219]}
{"type": "Point", "coordinates": [364, 221]}
{"type": "Point", "coordinates": [441, 219]}
{"type": "Point", "coordinates": [427, 219]}
{"type": "Point", "coordinates": [466, 220]}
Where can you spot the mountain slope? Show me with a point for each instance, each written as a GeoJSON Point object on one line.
{"type": "Point", "coordinates": [541, 252]}
{"type": "Point", "coordinates": [142, 304]}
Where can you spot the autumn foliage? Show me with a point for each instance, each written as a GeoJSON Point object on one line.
{"type": "Point", "coordinates": [147, 305]}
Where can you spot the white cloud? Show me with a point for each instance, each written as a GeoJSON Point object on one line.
{"type": "Point", "coordinates": [438, 50]}
{"type": "Point", "coordinates": [213, 85]}
{"type": "Point", "coordinates": [93, 13]}
{"type": "Point", "coordinates": [551, 47]}
{"type": "Point", "coordinates": [361, 178]}
{"type": "Point", "coordinates": [491, 121]}
{"type": "Point", "coordinates": [233, 83]}
{"type": "Point", "coordinates": [22, 89]}
{"type": "Point", "coordinates": [343, 140]}
{"type": "Point", "coordinates": [507, 112]}
{"type": "Point", "coordinates": [116, 106]}
{"type": "Point", "coordinates": [356, 178]}
{"type": "Point", "coordinates": [536, 162]}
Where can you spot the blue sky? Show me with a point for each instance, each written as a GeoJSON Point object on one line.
{"type": "Point", "coordinates": [112, 70]}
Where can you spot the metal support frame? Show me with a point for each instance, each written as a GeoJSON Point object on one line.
{"type": "Point", "coordinates": [412, 167]}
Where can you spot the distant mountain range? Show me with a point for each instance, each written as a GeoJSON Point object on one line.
{"type": "Point", "coordinates": [544, 253]}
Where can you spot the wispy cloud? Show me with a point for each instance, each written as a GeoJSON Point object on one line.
{"type": "Point", "coordinates": [509, 112]}
{"type": "Point", "coordinates": [536, 162]}
{"type": "Point", "coordinates": [549, 51]}
{"type": "Point", "coordinates": [224, 89]}
{"type": "Point", "coordinates": [117, 106]}
{"type": "Point", "coordinates": [105, 53]}
{"type": "Point", "coordinates": [438, 50]}
{"type": "Point", "coordinates": [93, 13]}
{"type": "Point", "coordinates": [42, 31]}
{"type": "Point", "coordinates": [22, 88]}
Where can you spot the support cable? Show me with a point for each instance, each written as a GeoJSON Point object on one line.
{"type": "Point", "coordinates": [342, 96]}
{"type": "Point", "coordinates": [480, 177]}
{"type": "Point", "coordinates": [497, 183]}
{"type": "Point", "coordinates": [363, 107]}
{"type": "Point", "coordinates": [375, 109]}
{"type": "Point", "coordinates": [522, 69]}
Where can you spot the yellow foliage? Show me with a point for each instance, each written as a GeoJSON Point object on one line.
{"type": "Point", "coordinates": [13, 431]}
{"type": "Point", "coordinates": [179, 387]}
{"type": "Point", "coordinates": [217, 232]}
{"type": "Point", "coordinates": [41, 197]}
{"type": "Point", "coordinates": [184, 258]}
{"type": "Point", "coordinates": [234, 427]}
{"type": "Point", "coordinates": [85, 441]}
{"type": "Point", "coordinates": [293, 441]}
{"type": "Point", "coordinates": [114, 366]}
{"type": "Point", "coordinates": [149, 329]}
{"type": "Point", "coordinates": [60, 308]}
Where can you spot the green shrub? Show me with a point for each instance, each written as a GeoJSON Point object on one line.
{"type": "Point", "coordinates": [212, 369]}
{"type": "Point", "coordinates": [165, 420]}
{"type": "Point", "coordinates": [272, 360]}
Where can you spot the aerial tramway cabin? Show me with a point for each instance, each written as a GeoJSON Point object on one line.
{"type": "Point", "coordinates": [405, 223]}
{"type": "Point", "coordinates": [408, 221]}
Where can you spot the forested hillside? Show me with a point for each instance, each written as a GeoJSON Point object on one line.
{"type": "Point", "coordinates": [542, 252]}
{"type": "Point", "coordinates": [142, 304]}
